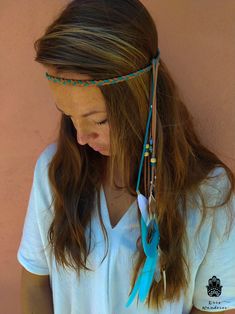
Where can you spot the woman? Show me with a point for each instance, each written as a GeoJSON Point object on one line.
{"type": "Point", "coordinates": [127, 170]}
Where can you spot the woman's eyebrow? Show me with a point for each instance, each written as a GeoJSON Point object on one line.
{"type": "Point", "coordinates": [85, 114]}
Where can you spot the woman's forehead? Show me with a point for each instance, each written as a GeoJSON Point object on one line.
{"type": "Point", "coordinates": [68, 96]}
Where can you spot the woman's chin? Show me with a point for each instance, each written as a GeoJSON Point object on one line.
{"type": "Point", "coordinates": [104, 152]}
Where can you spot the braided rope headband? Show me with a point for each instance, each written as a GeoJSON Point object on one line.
{"type": "Point", "coordinates": [147, 204]}
{"type": "Point", "coordinates": [114, 80]}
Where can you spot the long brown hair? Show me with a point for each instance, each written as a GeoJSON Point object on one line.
{"type": "Point", "coordinates": [111, 39]}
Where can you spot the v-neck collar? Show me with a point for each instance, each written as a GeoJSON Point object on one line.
{"type": "Point", "coordinates": [123, 220]}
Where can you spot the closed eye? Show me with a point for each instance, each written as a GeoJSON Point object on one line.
{"type": "Point", "coordinates": [98, 123]}
{"type": "Point", "coordinates": [102, 122]}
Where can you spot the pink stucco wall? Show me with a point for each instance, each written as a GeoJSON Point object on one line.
{"type": "Point", "coordinates": [196, 39]}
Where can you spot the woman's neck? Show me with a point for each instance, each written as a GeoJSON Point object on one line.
{"type": "Point", "coordinates": [117, 176]}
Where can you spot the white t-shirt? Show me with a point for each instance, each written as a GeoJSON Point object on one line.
{"type": "Point", "coordinates": [105, 290]}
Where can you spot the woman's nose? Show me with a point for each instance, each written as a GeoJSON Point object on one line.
{"type": "Point", "coordinates": [82, 140]}
{"type": "Point", "coordinates": [84, 134]}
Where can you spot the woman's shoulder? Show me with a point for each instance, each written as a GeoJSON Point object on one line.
{"type": "Point", "coordinates": [44, 159]}
{"type": "Point", "coordinates": [216, 181]}
{"type": "Point", "coordinates": [219, 186]}
{"type": "Point", "coordinates": [47, 153]}
{"type": "Point", "coordinates": [213, 188]}
{"type": "Point", "coordinates": [41, 180]}
{"type": "Point", "coordinates": [217, 220]}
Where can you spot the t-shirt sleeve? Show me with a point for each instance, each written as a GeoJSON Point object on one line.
{"type": "Point", "coordinates": [215, 279]}
{"type": "Point", "coordinates": [32, 250]}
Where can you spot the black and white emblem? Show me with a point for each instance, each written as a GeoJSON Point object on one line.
{"type": "Point", "coordinates": [214, 288]}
